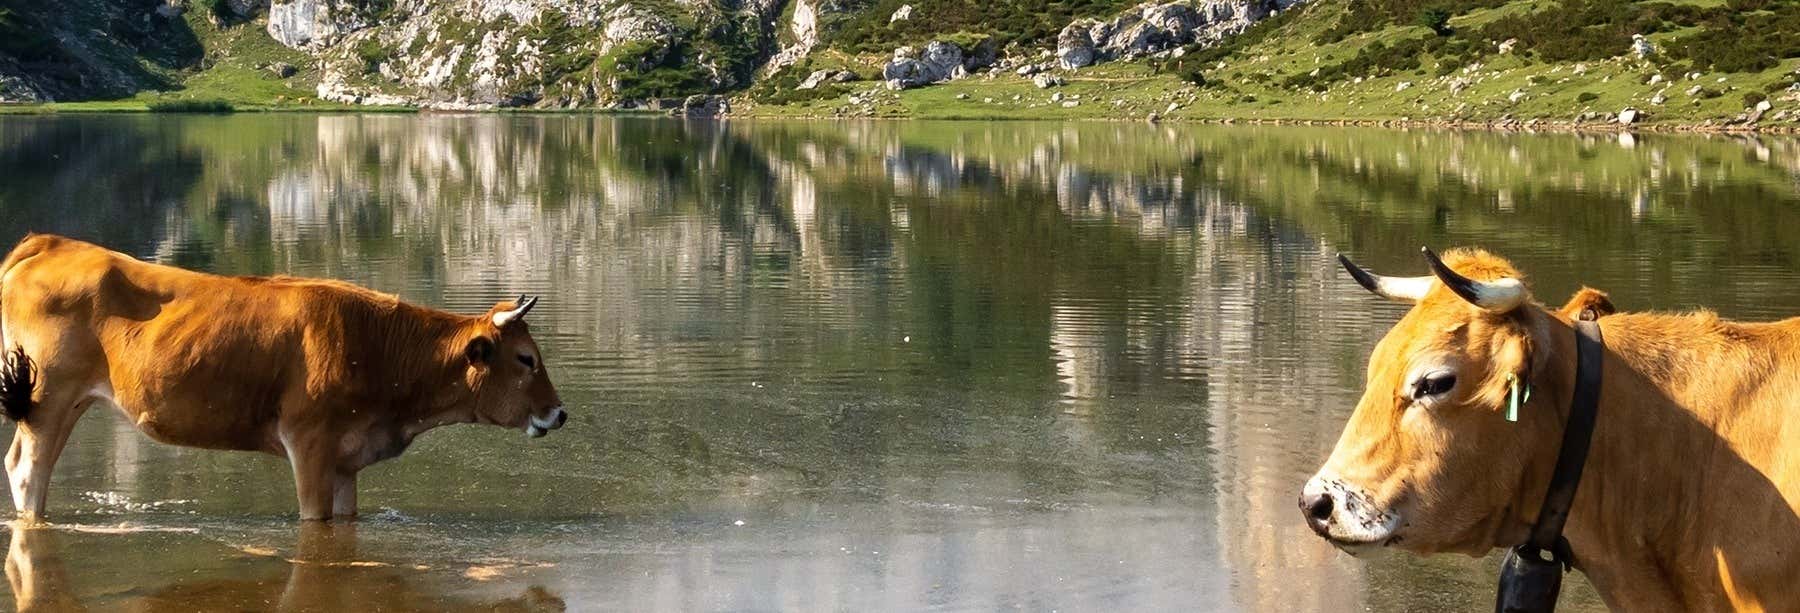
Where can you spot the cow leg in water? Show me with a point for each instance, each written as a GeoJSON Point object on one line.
{"type": "Point", "coordinates": [38, 442]}
{"type": "Point", "coordinates": [314, 459]}
{"type": "Point", "coordinates": [343, 497]}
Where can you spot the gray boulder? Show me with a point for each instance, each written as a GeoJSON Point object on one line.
{"type": "Point", "coordinates": [314, 24]}
{"type": "Point", "coordinates": [819, 77]}
{"type": "Point", "coordinates": [941, 61]}
{"type": "Point", "coordinates": [1075, 46]}
{"type": "Point", "coordinates": [703, 105]}
{"type": "Point", "coordinates": [1046, 80]}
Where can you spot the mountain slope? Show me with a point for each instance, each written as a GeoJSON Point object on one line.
{"type": "Point", "coordinates": [1680, 61]}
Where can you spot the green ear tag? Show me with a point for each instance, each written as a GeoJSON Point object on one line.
{"type": "Point", "coordinates": [1512, 398]}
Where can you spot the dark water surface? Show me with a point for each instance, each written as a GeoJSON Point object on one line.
{"type": "Point", "coordinates": [849, 366]}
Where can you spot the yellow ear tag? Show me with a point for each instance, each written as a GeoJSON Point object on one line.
{"type": "Point", "coordinates": [1514, 397]}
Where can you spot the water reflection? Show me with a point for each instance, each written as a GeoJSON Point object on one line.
{"type": "Point", "coordinates": [324, 573]}
{"type": "Point", "coordinates": [954, 366]}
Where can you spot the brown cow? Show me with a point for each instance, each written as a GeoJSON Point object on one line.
{"type": "Point", "coordinates": [331, 376]}
{"type": "Point", "coordinates": [1689, 497]}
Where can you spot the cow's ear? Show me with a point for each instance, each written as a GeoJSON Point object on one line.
{"type": "Point", "coordinates": [480, 350]}
{"type": "Point", "coordinates": [1588, 300]}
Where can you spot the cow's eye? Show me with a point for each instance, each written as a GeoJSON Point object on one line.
{"type": "Point", "coordinates": [529, 362]}
{"type": "Point", "coordinates": [1434, 384]}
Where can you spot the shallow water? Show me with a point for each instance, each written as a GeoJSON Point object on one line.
{"type": "Point", "coordinates": [849, 366]}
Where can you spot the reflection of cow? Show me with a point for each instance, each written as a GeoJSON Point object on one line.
{"type": "Point", "coordinates": [329, 375]}
{"type": "Point", "coordinates": [325, 575]}
{"type": "Point", "coordinates": [1689, 494]}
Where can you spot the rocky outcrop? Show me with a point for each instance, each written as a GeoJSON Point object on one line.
{"type": "Point", "coordinates": [820, 77]}
{"type": "Point", "coordinates": [1158, 27]}
{"type": "Point", "coordinates": [494, 53]}
{"type": "Point", "coordinates": [941, 61]}
{"type": "Point", "coordinates": [703, 106]}
{"type": "Point", "coordinates": [312, 24]}
{"type": "Point", "coordinates": [804, 27]}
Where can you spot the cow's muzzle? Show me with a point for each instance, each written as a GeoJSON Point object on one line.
{"type": "Point", "coordinates": [540, 426]}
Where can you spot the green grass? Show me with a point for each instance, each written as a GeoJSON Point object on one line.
{"type": "Point", "coordinates": [190, 106]}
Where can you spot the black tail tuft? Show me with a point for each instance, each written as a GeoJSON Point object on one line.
{"type": "Point", "coordinates": [17, 376]}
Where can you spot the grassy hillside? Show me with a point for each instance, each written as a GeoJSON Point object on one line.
{"type": "Point", "coordinates": [1413, 59]}
{"type": "Point", "coordinates": [1457, 60]}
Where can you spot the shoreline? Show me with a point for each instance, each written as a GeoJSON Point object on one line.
{"type": "Point", "coordinates": [1531, 125]}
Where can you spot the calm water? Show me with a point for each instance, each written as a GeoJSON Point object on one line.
{"type": "Point", "coordinates": [849, 366]}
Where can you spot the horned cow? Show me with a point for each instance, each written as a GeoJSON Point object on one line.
{"type": "Point", "coordinates": [1692, 481]}
{"type": "Point", "coordinates": [331, 376]}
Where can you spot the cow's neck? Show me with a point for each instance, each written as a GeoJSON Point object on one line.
{"type": "Point", "coordinates": [1635, 524]}
{"type": "Point", "coordinates": [428, 385]}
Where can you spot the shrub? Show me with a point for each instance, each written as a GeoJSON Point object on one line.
{"type": "Point", "coordinates": [372, 53]}
{"type": "Point", "coordinates": [1435, 18]}
{"type": "Point", "coordinates": [1754, 98]}
{"type": "Point", "coordinates": [191, 106]}
{"type": "Point", "coordinates": [1707, 93]}
{"type": "Point", "coordinates": [1585, 97]}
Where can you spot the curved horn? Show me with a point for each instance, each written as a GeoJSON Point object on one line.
{"type": "Point", "coordinates": [520, 308]}
{"type": "Point", "coordinates": [1499, 295]}
{"type": "Point", "coordinates": [1398, 289]}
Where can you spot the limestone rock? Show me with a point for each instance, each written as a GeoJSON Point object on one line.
{"type": "Point", "coordinates": [701, 105]}
{"type": "Point", "coordinates": [1628, 116]}
{"type": "Point", "coordinates": [903, 13]}
{"type": "Point", "coordinates": [1075, 46]}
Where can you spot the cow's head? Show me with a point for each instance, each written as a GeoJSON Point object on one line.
{"type": "Point", "coordinates": [1429, 462]}
{"type": "Point", "coordinates": [507, 374]}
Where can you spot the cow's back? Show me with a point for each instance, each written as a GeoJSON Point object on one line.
{"type": "Point", "coordinates": [192, 358]}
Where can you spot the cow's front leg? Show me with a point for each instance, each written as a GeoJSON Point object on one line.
{"type": "Point", "coordinates": [343, 498]}
{"type": "Point", "coordinates": [314, 460]}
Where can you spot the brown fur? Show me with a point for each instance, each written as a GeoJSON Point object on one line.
{"type": "Point", "coordinates": [1690, 494]}
{"type": "Point", "coordinates": [330, 375]}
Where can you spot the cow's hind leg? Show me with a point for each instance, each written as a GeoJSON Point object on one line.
{"type": "Point", "coordinates": [343, 497]}
{"type": "Point", "coordinates": [37, 444]}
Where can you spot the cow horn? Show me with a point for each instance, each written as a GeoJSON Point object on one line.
{"type": "Point", "coordinates": [1498, 296]}
{"type": "Point", "coordinates": [1398, 289]}
{"type": "Point", "coordinates": [521, 307]}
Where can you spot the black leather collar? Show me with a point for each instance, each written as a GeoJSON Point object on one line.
{"type": "Point", "coordinates": [1528, 581]}
{"type": "Point", "coordinates": [1578, 435]}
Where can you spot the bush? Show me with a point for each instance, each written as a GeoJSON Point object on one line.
{"type": "Point", "coordinates": [22, 37]}
{"type": "Point", "coordinates": [1707, 93]}
{"type": "Point", "coordinates": [1753, 98]}
{"type": "Point", "coordinates": [1437, 19]}
{"type": "Point", "coordinates": [191, 106]}
{"type": "Point", "coordinates": [1586, 97]}
{"type": "Point", "coordinates": [372, 53]}
{"type": "Point", "coordinates": [221, 10]}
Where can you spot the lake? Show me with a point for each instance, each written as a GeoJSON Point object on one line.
{"type": "Point", "coordinates": [850, 366]}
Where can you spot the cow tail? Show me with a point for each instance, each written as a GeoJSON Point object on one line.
{"type": "Point", "coordinates": [18, 375]}
{"type": "Point", "coordinates": [17, 378]}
